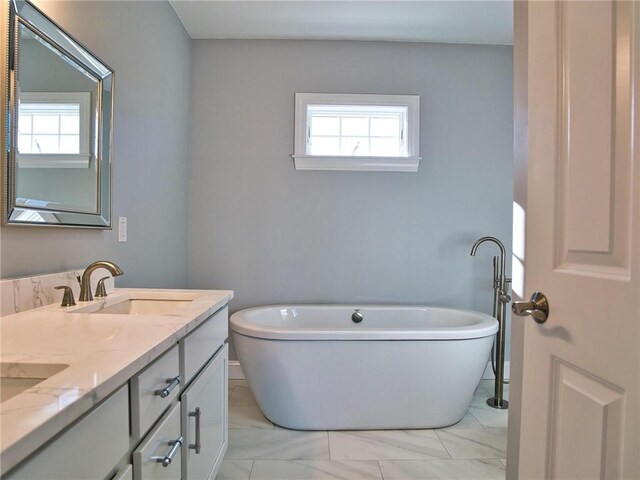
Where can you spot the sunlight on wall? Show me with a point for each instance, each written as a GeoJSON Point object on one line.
{"type": "Point", "coordinates": [517, 260]}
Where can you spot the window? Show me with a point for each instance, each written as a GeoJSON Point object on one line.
{"type": "Point", "coordinates": [356, 132]}
{"type": "Point", "coordinates": [53, 130]}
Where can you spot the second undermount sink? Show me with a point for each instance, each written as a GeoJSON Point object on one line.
{"type": "Point", "coordinates": [15, 378]}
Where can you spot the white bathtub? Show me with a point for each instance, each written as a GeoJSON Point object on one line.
{"type": "Point", "coordinates": [310, 367]}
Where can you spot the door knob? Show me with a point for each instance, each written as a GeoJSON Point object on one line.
{"type": "Point", "coordinates": [537, 307]}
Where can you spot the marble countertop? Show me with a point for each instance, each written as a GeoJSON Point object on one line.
{"type": "Point", "coordinates": [102, 352]}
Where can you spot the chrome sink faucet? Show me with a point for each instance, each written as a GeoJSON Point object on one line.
{"type": "Point", "coordinates": [85, 281]}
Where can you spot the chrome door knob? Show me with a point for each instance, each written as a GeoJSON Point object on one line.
{"type": "Point", "coordinates": [537, 307]}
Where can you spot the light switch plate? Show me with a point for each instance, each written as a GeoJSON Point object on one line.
{"type": "Point", "coordinates": [122, 229]}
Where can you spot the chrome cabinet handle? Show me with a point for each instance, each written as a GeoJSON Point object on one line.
{"type": "Point", "coordinates": [165, 392]}
{"type": "Point", "coordinates": [175, 445]}
{"type": "Point", "coordinates": [537, 307]}
{"type": "Point", "coordinates": [198, 415]}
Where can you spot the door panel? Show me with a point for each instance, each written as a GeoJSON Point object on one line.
{"type": "Point", "coordinates": [580, 407]}
{"type": "Point", "coordinates": [584, 406]}
{"type": "Point", "coordinates": [594, 136]}
{"type": "Point", "coordinates": [588, 88]}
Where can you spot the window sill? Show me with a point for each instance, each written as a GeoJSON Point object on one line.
{"type": "Point", "coordinates": [370, 164]}
{"type": "Point", "coordinates": [53, 160]}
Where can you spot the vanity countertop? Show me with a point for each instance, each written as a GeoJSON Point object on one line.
{"type": "Point", "coordinates": [102, 350]}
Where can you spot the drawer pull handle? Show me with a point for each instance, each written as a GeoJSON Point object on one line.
{"type": "Point", "coordinates": [165, 392]}
{"type": "Point", "coordinates": [198, 415]}
{"type": "Point", "coordinates": [175, 445]}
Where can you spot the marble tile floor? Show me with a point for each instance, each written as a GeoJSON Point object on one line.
{"type": "Point", "coordinates": [474, 448]}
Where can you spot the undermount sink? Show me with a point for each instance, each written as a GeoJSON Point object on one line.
{"type": "Point", "coordinates": [144, 307]}
{"type": "Point", "coordinates": [136, 307]}
{"type": "Point", "coordinates": [15, 378]}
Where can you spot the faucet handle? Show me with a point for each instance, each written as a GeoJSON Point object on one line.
{"type": "Point", "coordinates": [101, 290]}
{"type": "Point", "coordinates": [67, 296]}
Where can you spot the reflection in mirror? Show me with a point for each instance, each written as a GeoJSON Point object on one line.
{"type": "Point", "coordinates": [60, 142]}
{"type": "Point", "coordinates": [54, 159]}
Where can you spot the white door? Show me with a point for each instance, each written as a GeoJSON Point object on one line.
{"type": "Point", "coordinates": [580, 410]}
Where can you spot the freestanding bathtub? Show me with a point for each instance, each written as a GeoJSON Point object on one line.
{"type": "Point", "coordinates": [310, 367]}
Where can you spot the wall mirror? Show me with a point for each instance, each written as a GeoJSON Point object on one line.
{"type": "Point", "coordinates": [60, 104]}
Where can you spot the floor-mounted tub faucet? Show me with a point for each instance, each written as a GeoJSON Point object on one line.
{"type": "Point", "coordinates": [85, 281]}
{"type": "Point", "coordinates": [501, 298]}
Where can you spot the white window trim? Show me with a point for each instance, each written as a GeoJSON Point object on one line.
{"type": "Point", "coordinates": [60, 160]}
{"type": "Point", "coordinates": [408, 163]}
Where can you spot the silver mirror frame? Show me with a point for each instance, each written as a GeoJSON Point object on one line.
{"type": "Point", "coordinates": [23, 12]}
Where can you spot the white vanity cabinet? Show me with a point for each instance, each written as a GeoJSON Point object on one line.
{"type": "Point", "coordinates": [159, 456]}
{"type": "Point", "coordinates": [196, 421]}
{"type": "Point", "coordinates": [153, 390]}
{"type": "Point", "coordinates": [199, 346]}
{"type": "Point", "coordinates": [169, 421]}
{"type": "Point", "coordinates": [89, 449]}
{"type": "Point", "coordinates": [204, 419]}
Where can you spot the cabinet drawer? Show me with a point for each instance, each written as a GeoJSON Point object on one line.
{"type": "Point", "coordinates": [89, 449]}
{"type": "Point", "coordinates": [147, 458]}
{"type": "Point", "coordinates": [124, 474]}
{"type": "Point", "coordinates": [147, 400]}
{"type": "Point", "coordinates": [200, 345]}
{"type": "Point", "coordinates": [204, 420]}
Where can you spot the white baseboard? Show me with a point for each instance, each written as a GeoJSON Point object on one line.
{"type": "Point", "coordinates": [488, 372]}
{"type": "Point", "coordinates": [235, 370]}
{"type": "Point", "coordinates": [236, 373]}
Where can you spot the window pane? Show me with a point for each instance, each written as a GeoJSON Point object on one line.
{"type": "Point", "coordinates": [325, 125]}
{"type": "Point", "coordinates": [70, 124]}
{"type": "Point", "coordinates": [354, 146]}
{"type": "Point", "coordinates": [69, 144]}
{"type": "Point", "coordinates": [385, 127]}
{"type": "Point", "coordinates": [45, 144]}
{"type": "Point", "coordinates": [325, 146]}
{"type": "Point", "coordinates": [24, 143]}
{"type": "Point", "coordinates": [385, 147]}
{"type": "Point", "coordinates": [24, 124]}
{"type": "Point", "coordinates": [355, 126]}
{"type": "Point", "coordinates": [45, 124]}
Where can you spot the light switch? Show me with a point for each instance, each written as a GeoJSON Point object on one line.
{"type": "Point", "coordinates": [122, 229]}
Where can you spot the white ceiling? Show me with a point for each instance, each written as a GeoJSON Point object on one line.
{"type": "Point", "coordinates": [442, 21]}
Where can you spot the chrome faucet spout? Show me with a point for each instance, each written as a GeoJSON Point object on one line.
{"type": "Point", "coordinates": [503, 253]}
{"type": "Point", "coordinates": [85, 281]}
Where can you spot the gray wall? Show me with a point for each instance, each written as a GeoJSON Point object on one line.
{"type": "Point", "coordinates": [150, 51]}
{"type": "Point", "coordinates": [276, 235]}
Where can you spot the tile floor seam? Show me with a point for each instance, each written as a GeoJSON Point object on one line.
{"type": "Point", "coordinates": [477, 443]}
{"type": "Point", "coordinates": [329, 445]}
{"type": "Point", "coordinates": [435, 430]}
{"type": "Point", "coordinates": [253, 462]}
{"type": "Point", "coordinates": [471, 413]}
